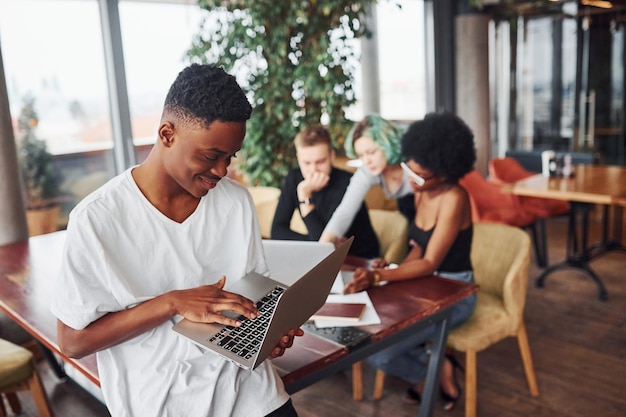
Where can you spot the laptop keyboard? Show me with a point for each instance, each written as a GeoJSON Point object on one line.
{"type": "Point", "coordinates": [246, 339]}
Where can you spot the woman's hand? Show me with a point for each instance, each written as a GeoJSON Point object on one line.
{"type": "Point", "coordinates": [379, 263]}
{"type": "Point", "coordinates": [285, 342]}
{"type": "Point", "coordinates": [362, 280]}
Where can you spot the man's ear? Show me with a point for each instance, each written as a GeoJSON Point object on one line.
{"type": "Point", "coordinates": [166, 134]}
{"type": "Point", "coordinates": [332, 157]}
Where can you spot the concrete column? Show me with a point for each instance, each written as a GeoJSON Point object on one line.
{"type": "Point", "coordinates": [369, 66]}
{"type": "Point", "coordinates": [12, 213]}
{"type": "Point", "coordinates": [472, 81]}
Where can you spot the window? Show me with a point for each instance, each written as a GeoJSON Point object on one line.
{"type": "Point", "coordinates": [401, 52]}
{"type": "Point", "coordinates": [52, 51]}
{"type": "Point", "coordinates": [155, 38]}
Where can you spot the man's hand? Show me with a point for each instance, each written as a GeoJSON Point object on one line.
{"type": "Point", "coordinates": [286, 342]}
{"type": "Point", "coordinates": [206, 303]}
{"type": "Point", "coordinates": [314, 182]}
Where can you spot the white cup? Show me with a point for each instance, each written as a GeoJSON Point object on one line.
{"type": "Point", "coordinates": [546, 158]}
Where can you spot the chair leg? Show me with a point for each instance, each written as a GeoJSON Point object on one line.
{"type": "Point", "coordinates": [14, 402]}
{"type": "Point", "coordinates": [524, 347]}
{"type": "Point", "coordinates": [3, 411]}
{"type": "Point", "coordinates": [39, 395]}
{"type": "Point", "coordinates": [357, 381]}
{"type": "Point", "coordinates": [470, 383]}
{"type": "Point", "coordinates": [379, 384]}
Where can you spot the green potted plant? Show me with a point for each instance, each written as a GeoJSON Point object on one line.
{"type": "Point", "coordinates": [39, 176]}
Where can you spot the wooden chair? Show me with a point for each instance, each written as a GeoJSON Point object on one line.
{"type": "Point", "coordinates": [500, 257]}
{"type": "Point", "coordinates": [19, 373]}
{"type": "Point", "coordinates": [392, 230]}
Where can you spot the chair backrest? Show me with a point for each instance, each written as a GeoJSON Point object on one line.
{"type": "Point", "coordinates": [486, 196]}
{"type": "Point", "coordinates": [265, 201]}
{"type": "Point", "coordinates": [297, 223]}
{"type": "Point", "coordinates": [507, 170]}
{"type": "Point", "coordinates": [501, 258]}
{"type": "Point", "coordinates": [392, 230]}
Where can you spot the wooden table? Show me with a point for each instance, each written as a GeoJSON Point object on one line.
{"type": "Point", "coordinates": [28, 271]}
{"type": "Point", "coordinates": [590, 184]}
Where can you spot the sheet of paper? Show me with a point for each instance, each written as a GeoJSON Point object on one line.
{"type": "Point", "coordinates": [343, 277]}
{"type": "Point", "coordinates": [369, 317]}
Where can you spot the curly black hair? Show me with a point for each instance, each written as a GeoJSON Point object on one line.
{"type": "Point", "coordinates": [205, 93]}
{"type": "Point", "coordinates": [441, 143]}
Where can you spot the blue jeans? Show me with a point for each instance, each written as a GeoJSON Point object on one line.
{"type": "Point", "coordinates": [408, 359]}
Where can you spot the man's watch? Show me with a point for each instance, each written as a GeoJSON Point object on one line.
{"type": "Point", "coordinates": [305, 201]}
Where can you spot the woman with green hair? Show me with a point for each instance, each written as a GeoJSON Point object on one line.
{"type": "Point", "coordinates": [377, 143]}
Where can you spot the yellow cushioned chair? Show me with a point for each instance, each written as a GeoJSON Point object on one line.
{"type": "Point", "coordinates": [265, 201]}
{"type": "Point", "coordinates": [500, 257]}
{"type": "Point", "coordinates": [18, 373]}
{"type": "Point", "coordinates": [392, 230]}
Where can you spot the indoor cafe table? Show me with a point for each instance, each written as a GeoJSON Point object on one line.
{"type": "Point", "coordinates": [588, 186]}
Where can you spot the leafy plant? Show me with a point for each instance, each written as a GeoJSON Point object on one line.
{"type": "Point", "coordinates": [295, 59]}
{"type": "Point", "coordinates": [36, 163]}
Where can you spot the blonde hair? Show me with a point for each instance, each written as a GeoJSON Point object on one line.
{"type": "Point", "coordinates": [313, 135]}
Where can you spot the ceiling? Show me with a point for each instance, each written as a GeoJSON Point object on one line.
{"type": "Point", "coordinates": [536, 8]}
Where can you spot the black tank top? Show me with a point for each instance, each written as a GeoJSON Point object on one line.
{"type": "Point", "coordinates": [458, 257]}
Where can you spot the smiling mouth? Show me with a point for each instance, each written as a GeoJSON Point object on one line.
{"type": "Point", "coordinates": [211, 182]}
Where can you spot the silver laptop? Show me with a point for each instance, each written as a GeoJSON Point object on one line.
{"type": "Point", "coordinates": [281, 307]}
{"type": "Point", "coordinates": [288, 260]}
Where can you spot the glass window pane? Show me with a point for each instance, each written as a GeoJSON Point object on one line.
{"type": "Point", "coordinates": [401, 59]}
{"type": "Point", "coordinates": [153, 55]}
{"type": "Point", "coordinates": [52, 50]}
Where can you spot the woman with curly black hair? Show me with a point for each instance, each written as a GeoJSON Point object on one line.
{"type": "Point", "coordinates": [438, 150]}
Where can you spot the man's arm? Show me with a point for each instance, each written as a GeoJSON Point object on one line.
{"type": "Point", "coordinates": [202, 304]}
{"type": "Point", "coordinates": [287, 204]}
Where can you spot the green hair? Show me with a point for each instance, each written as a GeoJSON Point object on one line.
{"type": "Point", "coordinates": [384, 133]}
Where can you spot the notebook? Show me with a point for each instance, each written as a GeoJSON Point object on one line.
{"type": "Point", "coordinates": [349, 312]}
{"type": "Point", "coordinates": [281, 307]}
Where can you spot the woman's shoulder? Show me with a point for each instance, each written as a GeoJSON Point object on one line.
{"type": "Point", "coordinates": [364, 175]}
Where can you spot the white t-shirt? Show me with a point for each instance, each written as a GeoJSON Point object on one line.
{"type": "Point", "coordinates": [360, 183]}
{"type": "Point", "coordinates": [120, 251]}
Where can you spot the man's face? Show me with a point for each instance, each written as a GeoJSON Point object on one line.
{"type": "Point", "coordinates": [197, 158]}
{"type": "Point", "coordinates": [316, 158]}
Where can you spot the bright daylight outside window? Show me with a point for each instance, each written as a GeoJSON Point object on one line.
{"type": "Point", "coordinates": [52, 52]}
{"type": "Point", "coordinates": [56, 57]}
{"type": "Point", "coordinates": [153, 57]}
{"type": "Point", "coordinates": [401, 52]}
